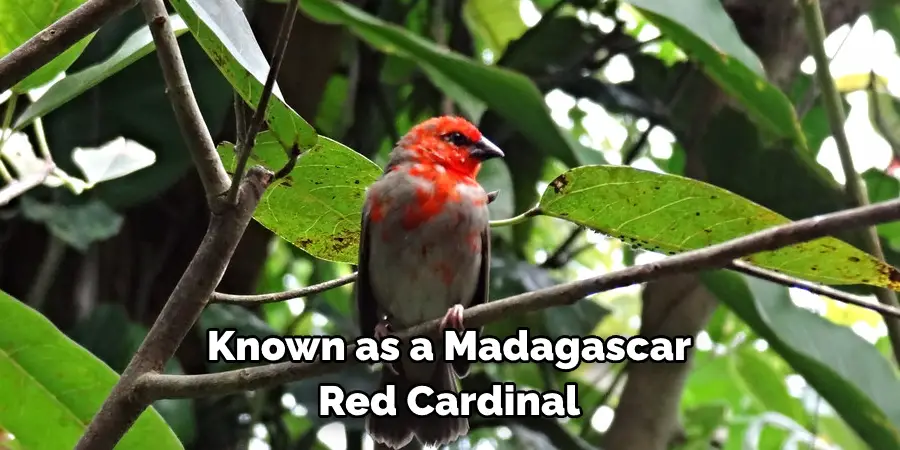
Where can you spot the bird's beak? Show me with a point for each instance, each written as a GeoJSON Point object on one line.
{"type": "Point", "coordinates": [485, 150]}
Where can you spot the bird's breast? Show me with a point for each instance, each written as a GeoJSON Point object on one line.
{"type": "Point", "coordinates": [425, 249]}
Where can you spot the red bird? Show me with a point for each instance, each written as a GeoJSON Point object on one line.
{"type": "Point", "coordinates": [424, 254]}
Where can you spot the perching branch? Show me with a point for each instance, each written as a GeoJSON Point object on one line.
{"type": "Point", "coordinates": [153, 385]}
{"type": "Point", "coordinates": [249, 137]}
{"type": "Point", "coordinates": [57, 38]}
{"type": "Point", "coordinates": [831, 99]}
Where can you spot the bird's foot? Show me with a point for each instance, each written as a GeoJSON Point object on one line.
{"type": "Point", "coordinates": [383, 330]}
{"type": "Point", "coordinates": [453, 319]}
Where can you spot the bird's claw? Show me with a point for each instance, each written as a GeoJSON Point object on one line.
{"type": "Point", "coordinates": [383, 329]}
{"type": "Point", "coordinates": [453, 319]}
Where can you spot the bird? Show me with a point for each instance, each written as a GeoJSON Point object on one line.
{"type": "Point", "coordinates": [424, 254]}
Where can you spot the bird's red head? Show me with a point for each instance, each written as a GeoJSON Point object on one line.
{"type": "Point", "coordinates": [450, 142]}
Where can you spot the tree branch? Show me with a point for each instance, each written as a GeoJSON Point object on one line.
{"type": "Point", "coordinates": [282, 296]}
{"type": "Point", "coordinates": [187, 113]}
{"type": "Point", "coordinates": [125, 403]}
{"type": "Point", "coordinates": [831, 99]}
{"type": "Point", "coordinates": [57, 38]}
{"type": "Point", "coordinates": [226, 226]}
{"type": "Point", "coordinates": [249, 138]}
{"type": "Point", "coordinates": [156, 386]}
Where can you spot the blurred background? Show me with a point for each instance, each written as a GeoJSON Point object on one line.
{"type": "Point", "coordinates": [101, 265]}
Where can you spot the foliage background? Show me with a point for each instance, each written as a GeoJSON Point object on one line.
{"type": "Point", "coordinates": [617, 87]}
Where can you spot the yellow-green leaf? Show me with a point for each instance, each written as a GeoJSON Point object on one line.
{"type": "Point", "coordinates": [671, 214]}
{"type": "Point", "coordinates": [318, 206]}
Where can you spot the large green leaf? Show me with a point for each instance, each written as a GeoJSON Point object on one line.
{"type": "Point", "coordinates": [885, 15]}
{"type": "Point", "coordinates": [705, 31]}
{"type": "Point", "coordinates": [496, 22]}
{"type": "Point", "coordinates": [883, 187]}
{"type": "Point", "coordinates": [671, 214]}
{"type": "Point", "coordinates": [22, 19]}
{"type": "Point", "coordinates": [510, 94]}
{"type": "Point", "coordinates": [134, 48]}
{"type": "Point", "coordinates": [765, 384]}
{"type": "Point", "coordinates": [51, 387]}
{"type": "Point", "coordinates": [843, 368]}
{"type": "Point", "coordinates": [317, 207]}
{"type": "Point", "coordinates": [225, 35]}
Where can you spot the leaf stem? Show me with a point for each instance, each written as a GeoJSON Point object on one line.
{"type": "Point", "coordinates": [42, 140]}
{"type": "Point", "coordinates": [815, 33]}
{"type": "Point", "coordinates": [515, 220]}
{"type": "Point", "coordinates": [7, 120]}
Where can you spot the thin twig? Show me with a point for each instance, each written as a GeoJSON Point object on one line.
{"type": "Point", "coordinates": [284, 33]}
{"type": "Point", "coordinates": [834, 294]}
{"type": "Point", "coordinates": [805, 104]}
{"type": "Point", "coordinates": [282, 296]}
{"type": "Point", "coordinates": [187, 113]}
{"type": "Point", "coordinates": [57, 38]}
{"type": "Point", "coordinates": [5, 133]}
{"type": "Point", "coordinates": [831, 98]}
{"type": "Point", "coordinates": [240, 121]}
{"type": "Point", "coordinates": [178, 386]}
{"type": "Point", "coordinates": [46, 274]}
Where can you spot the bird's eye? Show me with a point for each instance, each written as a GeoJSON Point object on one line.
{"type": "Point", "coordinates": [457, 138]}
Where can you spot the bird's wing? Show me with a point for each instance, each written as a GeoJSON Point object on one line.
{"type": "Point", "coordinates": [366, 304]}
{"type": "Point", "coordinates": [482, 289]}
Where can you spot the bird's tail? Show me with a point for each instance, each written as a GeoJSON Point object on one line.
{"type": "Point", "coordinates": [397, 431]}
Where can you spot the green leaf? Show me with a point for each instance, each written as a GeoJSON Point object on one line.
{"type": "Point", "coordinates": [842, 367]}
{"type": "Point", "coordinates": [135, 47]}
{"type": "Point", "coordinates": [222, 30]}
{"type": "Point", "coordinates": [701, 423]}
{"type": "Point", "coordinates": [885, 15]}
{"type": "Point", "coordinates": [317, 207]}
{"type": "Point", "coordinates": [20, 20]}
{"type": "Point", "coordinates": [51, 387]}
{"type": "Point", "coordinates": [882, 187]}
{"type": "Point", "coordinates": [77, 225]}
{"type": "Point", "coordinates": [510, 94]}
{"type": "Point", "coordinates": [766, 384]}
{"type": "Point", "coordinates": [705, 31]}
{"type": "Point", "coordinates": [671, 214]}
{"type": "Point", "coordinates": [496, 22]}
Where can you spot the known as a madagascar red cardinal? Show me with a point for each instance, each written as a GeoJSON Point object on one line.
{"type": "Point", "coordinates": [424, 254]}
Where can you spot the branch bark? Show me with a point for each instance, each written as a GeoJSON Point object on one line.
{"type": "Point", "coordinates": [155, 386]}
{"type": "Point", "coordinates": [57, 38]}
{"type": "Point", "coordinates": [226, 226]}
{"type": "Point", "coordinates": [124, 404]}
{"type": "Point", "coordinates": [187, 112]}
